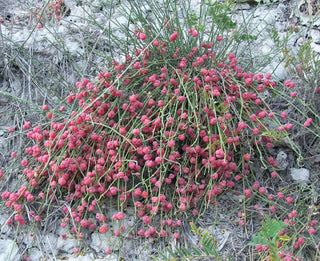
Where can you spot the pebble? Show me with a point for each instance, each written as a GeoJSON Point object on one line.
{"type": "Point", "coordinates": [9, 250]}
{"type": "Point", "coordinates": [282, 160]}
{"type": "Point", "coordinates": [300, 175]}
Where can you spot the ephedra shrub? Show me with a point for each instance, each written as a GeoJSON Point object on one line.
{"type": "Point", "coordinates": [164, 132]}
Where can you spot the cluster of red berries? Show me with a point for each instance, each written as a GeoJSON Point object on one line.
{"type": "Point", "coordinates": [161, 135]}
{"type": "Point", "coordinates": [51, 11]}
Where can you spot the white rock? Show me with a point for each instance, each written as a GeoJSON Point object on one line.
{"type": "Point", "coordinates": [195, 6]}
{"type": "Point", "coordinates": [300, 175]}
{"type": "Point", "coordinates": [265, 15]}
{"type": "Point", "coordinates": [315, 35]}
{"type": "Point", "coordinates": [62, 29]}
{"type": "Point", "coordinates": [97, 3]}
{"type": "Point", "coordinates": [100, 242]}
{"type": "Point", "coordinates": [282, 160]}
{"type": "Point", "coordinates": [315, 47]}
{"type": "Point", "coordinates": [35, 254]}
{"type": "Point", "coordinates": [73, 47]}
{"type": "Point", "coordinates": [112, 257]}
{"type": "Point", "coordinates": [79, 14]}
{"type": "Point", "coordinates": [8, 250]}
{"type": "Point", "coordinates": [243, 6]}
{"type": "Point", "coordinates": [101, 19]}
{"type": "Point", "coordinates": [279, 70]}
{"type": "Point", "coordinates": [122, 20]}
{"type": "Point", "coordinates": [67, 245]}
{"type": "Point", "coordinates": [50, 242]}
{"type": "Point", "coordinates": [267, 46]}
{"type": "Point", "coordinates": [145, 249]}
{"type": "Point", "coordinates": [128, 222]}
{"type": "Point", "coordinates": [70, 3]}
{"type": "Point", "coordinates": [4, 229]}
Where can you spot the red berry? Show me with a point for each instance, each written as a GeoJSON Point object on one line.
{"type": "Point", "coordinates": [274, 174]}
{"type": "Point", "coordinates": [173, 36]}
{"type": "Point", "coordinates": [293, 94]}
{"type": "Point", "coordinates": [246, 156]}
{"type": "Point", "coordinates": [273, 209]}
{"type": "Point", "coordinates": [176, 235]}
{"type": "Point", "coordinates": [156, 43]}
{"type": "Point", "coordinates": [26, 125]}
{"type": "Point", "coordinates": [141, 36]}
{"type": "Point", "coordinates": [171, 143]}
{"type": "Point", "coordinates": [301, 241]}
{"type": "Point", "coordinates": [312, 230]}
{"type": "Point", "coordinates": [314, 222]}
{"type": "Point", "coordinates": [24, 163]}
{"type": "Point", "coordinates": [280, 195]}
{"type": "Point", "coordinates": [289, 200]}
{"type": "Point", "coordinates": [255, 131]}
{"type": "Point", "coordinates": [219, 153]}
{"type": "Point", "coordinates": [242, 223]}
{"type": "Point", "coordinates": [195, 212]}
{"type": "Point", "coordinates": [247, 192]}
{"type": "Point", "coordinates": [308, 122]}
{"type": "Point", "coordinates": [248, 81]}
{"type": "Point", "coordinates": [103, 229]}
{"type": "Point", "coordinates": [160, 103]}
{"type": "Point", "coordinates": [10, 129]}
{"type": "Point", "coordinates": [146, 220]}
{"type": "Point", "coordinates": [262, 190]}
{"type": "Point", "coordinates": [120, 215]}
{"type": "Point", "coordinates": [181, 98]}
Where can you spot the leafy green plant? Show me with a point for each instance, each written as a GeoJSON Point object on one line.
{"type": "Point", "coordinates": [269, 236]}
{"type": "Point", "coordinates": [207, 248]}
{"type": "Point", "coordinates": [219, 13]}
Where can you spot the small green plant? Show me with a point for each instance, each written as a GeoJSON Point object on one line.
{"type": "Point", "coordinates": [207, 248]}
{"type": "Point", "coordinates": [269, 237]}
{"type": "Point", "coordinates": [219, 13]}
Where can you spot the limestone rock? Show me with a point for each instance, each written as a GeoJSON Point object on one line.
{"type": "Point", "coordinates": [300, 175]}
{"type": "Point", "coordinates": [8, 250]}
{"type": "Point", "coordinates": [282, 160]}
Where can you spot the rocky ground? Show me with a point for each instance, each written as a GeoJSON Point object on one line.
{"type": "Point", "coordinates": [19, 42]}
